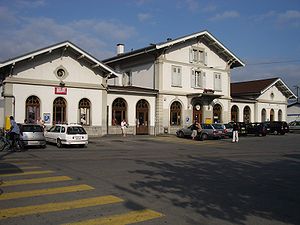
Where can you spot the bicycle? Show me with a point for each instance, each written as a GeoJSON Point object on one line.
{"type": "Point", "coordinates": [11, 142]}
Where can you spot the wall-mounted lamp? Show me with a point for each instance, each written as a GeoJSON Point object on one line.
{"type": "Point", "coordinates": [62, 84]}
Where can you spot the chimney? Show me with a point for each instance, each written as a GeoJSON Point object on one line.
{"type": "Point", "coordinates": [120, 49]}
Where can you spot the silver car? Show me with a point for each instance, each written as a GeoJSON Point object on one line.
{"type": "Point", "coordinates": [294, 126]}
{"type": "Point", "coordinates": [32, 135]}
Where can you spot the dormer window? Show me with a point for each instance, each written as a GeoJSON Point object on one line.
{"type": "Point", "coordinates": [198, 55]}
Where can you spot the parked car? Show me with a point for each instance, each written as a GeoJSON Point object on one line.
{"type": "Point", "coordinates": [184, 132]}
{"type": "Point", "coordinates": [220, 128]}
{"type": "Point", "coordinates": [64, 134]}
{"type": "Point", "coordinates": [294, 126]}
{"type": "Point", "coordinates": [229, 129]}
{"type": "Point", "coordinates": [241, 128]}
{"type": "Point", "coordinates": [209, 132]}
{"type": "Point", "coordinates": [277, 127]}
{"type": "Point", "coordinates": [32, 135]}
{"type": "Point", "coordinates": [258, 129]}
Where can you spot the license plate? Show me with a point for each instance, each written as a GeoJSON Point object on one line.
{"type": "Point", "coordinates": [220, 132]}
{"type": "Point", "coordinates": [77, 138]}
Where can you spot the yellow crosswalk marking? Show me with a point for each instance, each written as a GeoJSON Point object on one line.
{"type": "Point", "coordinates": [35, 181]}
{"type": "Point", "coordinates": [59, 206]}
{"type": "Point", "coordinates": [122, 219]}
{"type": "Point", "coordinates": [48, 191]}
{"type": "Point", "coordinates": [26, 173]}
{"type": "Point", "coordinates": [18, 168]}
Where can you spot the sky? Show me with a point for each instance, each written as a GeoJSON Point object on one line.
{"type": "Point", "coordinates": [264, 34]}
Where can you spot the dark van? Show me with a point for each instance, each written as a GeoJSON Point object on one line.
{"type": "Point", "coordinates": [277, 127]}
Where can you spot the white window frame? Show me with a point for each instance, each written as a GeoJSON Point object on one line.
{"type": "Point", "coordinates": [176, 76]}
{"type": "Point", "coordinates": [217, 81]}
{"type": "Point", "coordinates": [198, 55]}
{"type": "Point", "coordinates": [198, 79]}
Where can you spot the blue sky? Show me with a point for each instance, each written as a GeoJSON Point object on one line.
{"type": "Point", "coordinates": [265, 34]}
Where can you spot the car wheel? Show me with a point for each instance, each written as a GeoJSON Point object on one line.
{"type": "Point", "coordinates": [58, 143]}
{"type": "Point", "coordinates": [275, 132]}
{"type": "Point", "coordinates": [181, 134]}
{"type": "Point", "coordinates": [204, 137]}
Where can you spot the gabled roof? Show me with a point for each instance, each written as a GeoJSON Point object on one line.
{"type": "Point", "coordinates": [255, 88]}
{"type": "Point", "coordinates": [208, 37]}
{"type": "Point", "coordinates": [64, 46]}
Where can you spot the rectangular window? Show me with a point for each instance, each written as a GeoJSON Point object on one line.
{"type": "Point", "coordinates": [198, 79]}
{"type": "Point", "coordinates": [217, 81]}
{"type": "Point", "coordinates": [127, 79]}
{"type": "Point", "coordinates": [176, 76]}
{"type": "Point", "coordinates": [198, 55]}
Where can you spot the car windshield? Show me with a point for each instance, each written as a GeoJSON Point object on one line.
{"type": "Point", "coordinates": [75, 130]}
{"type": "Point", "coordinates": [32, 128]}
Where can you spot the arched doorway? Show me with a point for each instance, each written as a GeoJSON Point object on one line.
{"type": "Point", "coordinates": [234, 114]}
{"type": "Point", "coordinates": [197, 113]}
{"type": "Point", "coordinates": [272, 115]}
{"type": "Point", "coordinates": [119, 111]}
{"type": "Point", "coordinates": [175, 114]}
{"type": "Point", "coordinates": [32, 111]}
{"type": "Point", "coordinates": [59, 110]}
{"type": "Point", "coordinates": [217, 113]}
{"type": "Point", "coordinates": [263, 115]}
{"type": "Point", "coordinates": [279, 115]}
{"type": "Point", "coordinates": [142, 117]}
{"type": "Point", "coordinates": [247, 114]}
{"type": "Point", "coordinates": [84, 112]}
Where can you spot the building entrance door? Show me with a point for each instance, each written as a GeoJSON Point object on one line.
{"type": "Point", "coordinates": [197, 113]}
{"type": "Point", "coordinates": [142, 117]}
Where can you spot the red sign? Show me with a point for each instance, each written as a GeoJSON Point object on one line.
{"type": "Point", "coordinates": [60, 90]}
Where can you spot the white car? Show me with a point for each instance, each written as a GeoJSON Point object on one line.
{"type": "Point", "coordinates": [64, 134]}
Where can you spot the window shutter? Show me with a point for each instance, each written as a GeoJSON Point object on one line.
{"type": "Point", "coordinates": [191, 55]}
{"type": "Point", "coordinates": [179, 76]}
{"type": "Point", "coordinates": [203, 79]}
{"type": "Point", "coordinates": [192, 78]}
{"type": "Point", "coordinates": [205, 58]}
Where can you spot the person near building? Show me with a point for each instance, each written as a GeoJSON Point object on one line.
{"type": "Point", "coordinates": [14, 134]}
{"type": "Point", "coordinates": [123, 127]}
{"type": "Point", "coordinates": [196, 128]}
{"type": "Point", "coordinates": [235, 133]}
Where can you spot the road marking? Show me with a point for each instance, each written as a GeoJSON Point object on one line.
{"type": "Point", "coordinates": [18, 168]}
{"type": "Point", "coordinates": [122, 219]}
{"type": "Point", "coordinates": [35, 181]}
{"type": "Point", "coordinates": [42, 192]}
{"type": "Point", "coordinates": [58, 206]}
{"type": "Point", "coordinates": [27, 173]}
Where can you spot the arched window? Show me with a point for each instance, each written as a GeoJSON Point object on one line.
{"type": "Point", "coordinates": [84, 112]}
{"type": "Point", "coordinates": [247, 114]}
{"type": "Point", "coordinates": [59, 110]}
{"type": "Point", "coordinates": [119, 111]}
{"type": "Point", "coordinates": [263, 115]}
{"type": "Point", "coordinates": [272, 115]}
{"type": "Point", "coordinates": [217, 113]}
{"type": "Point", "coordinates": [279, 115]}
{"type": "Point", "coordinates": [175, 114]}
{"type": "Point", "coordinates": [235, 113]}
{"type": "Point", "coordinates": [32, 111]}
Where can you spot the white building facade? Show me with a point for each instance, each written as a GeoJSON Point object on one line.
{"type": "Point", "coordinates": [156, 89]}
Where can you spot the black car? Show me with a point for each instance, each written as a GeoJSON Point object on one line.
{"type": "Point", "coordinates": [258, 129]}
{"type": "Point", "coordinates": [241, 127]}
{"type": "Point", "coordinates": [277, 127]}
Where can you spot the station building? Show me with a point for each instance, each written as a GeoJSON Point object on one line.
{"type": "Point", "coordinates": [157, 89]}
